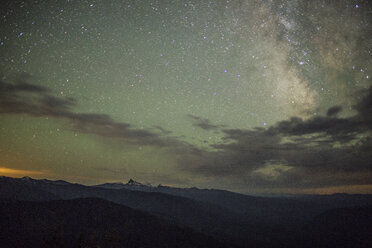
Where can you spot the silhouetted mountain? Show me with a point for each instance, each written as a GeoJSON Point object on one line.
{"type": "Point", "coordinates": [203, 217]}
{"type": "Point", "coordinates": [248, 221]}
{"type": "Point", "coordinates": [90, 222]}
{"type": "Point", "coordinates": [131, 185]}
{"type": "Point", "coordinates": [23, 189]}
{"type": "Point", "coordinates": [270, 210]}
{"type": "Point", "coordinates": [337, 200]}
{"type": "Point", "coordinates": [343, 227]}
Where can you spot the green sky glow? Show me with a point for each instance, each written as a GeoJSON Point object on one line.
{"type": "Point", "coordinates": [186, 72]}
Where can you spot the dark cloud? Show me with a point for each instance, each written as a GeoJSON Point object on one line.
{"type": "Point", "coordinates": [318, 152]}
{"type": "Point", "coordinates": [204, 123]}
{"type": "Point", "coordinates": [331, 125]}
{"type": "Point", "coordinates": [364, 107]}
{"type": "Point", "coordinates": [334, 111]}
{"type": "Point", "coordinates": [320, 124]}
{"type": "Point", "coordinates": [5, 87]}
{"type": "Point", "coordinates": [162, 130]}
{"type": "Point", "coordinates": [21, 85]}
{"type": "Point", "coordinates": [26, 98]}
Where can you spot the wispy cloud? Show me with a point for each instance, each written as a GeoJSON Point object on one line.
{"type": "Point", "coordinates": [318, 152]}
{"type": "Point", "coordinates": [204, 123]}
{"type": "Point", "coordinates": [323, 151]}
{"type": "Point", "coordinates": [24, 97]}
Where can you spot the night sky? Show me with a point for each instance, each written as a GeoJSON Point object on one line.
{"type": "Point", "coordinates": [245, 95]}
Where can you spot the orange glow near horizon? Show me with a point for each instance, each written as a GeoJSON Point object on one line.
{"type": "Point", "coordinates": [16, 172]}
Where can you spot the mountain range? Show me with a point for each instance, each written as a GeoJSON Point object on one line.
{"type": "Point", "coordinates": [41, 212]}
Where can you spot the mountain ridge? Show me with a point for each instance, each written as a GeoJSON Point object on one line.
{"type": "Point", "coordinates": [233, 218]}
{"type": "Point", "coordinates": [91, 221]}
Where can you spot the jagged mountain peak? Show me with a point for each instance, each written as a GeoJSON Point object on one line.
{"type": "Point", "coordinates": [132, 182]}
{"type": "Point", "coordinates": [26, 178]}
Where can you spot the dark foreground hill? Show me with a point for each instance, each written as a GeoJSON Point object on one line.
{"type": "Point", "coordinates": [210, 219]}
{"type": "Point", "coordinates": [271, 210]}
{"type": "Point", "coordinates": [242, 220]}
{"type": "Point", "coordinates": [343, 227]}
{"type": "Point", "coordinates": [90, 222]}
{"type": "Point", "coordinates": [221, 223]}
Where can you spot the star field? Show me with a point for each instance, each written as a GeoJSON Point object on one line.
{"type": "Point", "coordinates": [158, 90]}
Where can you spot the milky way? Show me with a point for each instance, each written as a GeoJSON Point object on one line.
{"type": "Point", "coordinates": [188, 93]}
